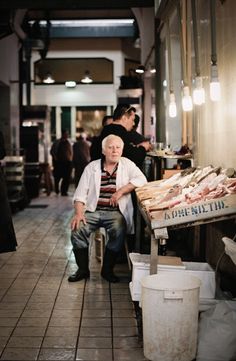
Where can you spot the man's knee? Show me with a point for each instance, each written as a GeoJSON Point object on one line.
{"type": "Point", "coordinates": [78, 240]}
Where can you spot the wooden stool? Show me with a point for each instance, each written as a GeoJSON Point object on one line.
{"type": "Point", "coordinates": [100, 238]}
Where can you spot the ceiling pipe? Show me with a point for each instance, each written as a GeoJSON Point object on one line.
{"type": "Point", "coordinates": [16, 24]}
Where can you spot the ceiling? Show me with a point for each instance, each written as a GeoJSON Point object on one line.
{"type": "Point", "coordinates": [73, 10]}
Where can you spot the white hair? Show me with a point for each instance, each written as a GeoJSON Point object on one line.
{"type": "Point", "coordinates": [109, 138]}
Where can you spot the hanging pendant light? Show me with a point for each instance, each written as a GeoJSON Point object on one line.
{"type": "Point", "coordinates": [199, 91]}
{"type": "Point", "coordinates": [215, 92]}
{"type": "Point", "coordinates": [87, 78]}
{"type": "Point", "coordinates": [187, 103]}
{"type": "Point", "coordinates": [140, 69]}
{"type": "Point", "coordinates": [172, 106]}
{"type": "Point", "coordinates": [172, 109]}
{"type": "Point", "coordinates": [48, 79]}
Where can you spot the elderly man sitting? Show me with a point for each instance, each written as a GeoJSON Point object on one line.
{"type": "Point", "coordinates": [102, 199]}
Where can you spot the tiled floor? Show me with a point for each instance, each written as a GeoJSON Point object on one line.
{"type": "Point", "coordinates": [42, 315]}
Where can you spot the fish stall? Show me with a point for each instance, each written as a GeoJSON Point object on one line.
{"type": "Point", "coordinates": [191, 197]}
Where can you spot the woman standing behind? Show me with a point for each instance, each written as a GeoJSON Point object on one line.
{"type": "Point", "coordinates": [7, 234]}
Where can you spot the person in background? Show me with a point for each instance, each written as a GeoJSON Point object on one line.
{"type": "Point", "coordinates": [123, 122]}
{"type": "Point", "coordinates": [8, 241]}
{"type": "Point", "coordinates": [135, 137]}
{"type": "Point", "coordinates": [102, 199]}
{"type": "Point", "coordinates": [95, 149]}
{"type": "Point", "coordinates": [81, 154]}
{"type": "Point", "coordinates": [61, 152]}
{"type": "Point", "coordinates": [45, 170]}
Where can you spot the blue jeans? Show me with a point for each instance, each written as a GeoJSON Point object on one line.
{"type": "Point", "coordinates": [112, 221]}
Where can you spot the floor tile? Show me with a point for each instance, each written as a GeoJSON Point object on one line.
{"type": "Point", "coordinates": [129, 355]}
{"type": "Point", "coordinates": [8, 321]}
{"type": "Point", "coordinates": [65, 341]}
{"type": "Point", "coordinates": [32, 321]}
{"type": "Point", "coordinates": [95, 332]}
{"type": "Point", "coordinates": [45, 317]}
{"type": "Point", "coordinates": [3, 341]}
{"type": "Point", "coordinates": [56, 354]}
{"type": "Point", "coordinates": [124, 331]}
{"type": "Point", "coordinates": [61, 331]}
{"type": "Point", "coordinates": [127, 342]}
{"type": "Point", "coordinates": [96, 305]}
{"type": "Point", "coordinates": [96, 313]}
{"type": "Point", "coordinates": [124, 322]}
{"type": "Point", "coordinates": [29, 331]}
{"type": "Point", "coordinates": [94, 354]}
{"type": "Point", "coordinates": [25, 342]}
{"type": "Point", "coordinates": [96, 322]}
{"type": "Point", "coordinates": [95, 342]}
{"type": "Point", "coordinates": [64, 322]}
{"type": "Point", "coordinates": [40, 312]}
{"type": "Point", "coordinates": [20, 354]}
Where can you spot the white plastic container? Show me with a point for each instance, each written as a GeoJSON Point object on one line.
{"type": "Point", "coordinates": [141, 268]}
{"type": "Point", "coordinates": [206, 274]}
{"type": "Point", "coordinates": [170, 305]}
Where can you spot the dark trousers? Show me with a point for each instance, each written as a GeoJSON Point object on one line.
{"type": "Point", "coordinates": [62, 171]}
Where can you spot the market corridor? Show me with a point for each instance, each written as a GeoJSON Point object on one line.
{"type": "Point", "coordinates": [42, 315]}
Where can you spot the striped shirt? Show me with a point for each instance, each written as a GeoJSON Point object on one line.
{"type": "Point", "coordinates": [108, 187]}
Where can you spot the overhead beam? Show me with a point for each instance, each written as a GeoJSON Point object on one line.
{"type": "Point", "coordinates": [74, 4]}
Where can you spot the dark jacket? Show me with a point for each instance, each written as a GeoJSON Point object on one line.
{"type": "Point", "coordinates": [136, 154]}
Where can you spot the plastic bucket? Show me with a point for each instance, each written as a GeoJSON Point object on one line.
{"type": "Point", "coordinates": [170, 304]}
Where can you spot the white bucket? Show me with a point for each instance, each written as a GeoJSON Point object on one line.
{"type": "Point", "coordinates": [170, 305]}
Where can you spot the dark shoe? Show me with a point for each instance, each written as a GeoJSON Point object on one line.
{"type": "Point", "coordinates": [78, 276]}
{"type": "Point", "coordinates": [109, 261]}
{"type": "Point", "coordinates": [64, 194]}
{"type": "Point", "coordinates": [81, 257]}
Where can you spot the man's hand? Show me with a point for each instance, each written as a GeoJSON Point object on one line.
{"type": "Point", "coordinates": [78, 217]}
{"type": "Point", "coordinates": [115, 197]}
{"type": "Point", "coordinates": [146, 144]}
{"type": "Point", "coordinates": [75, 222]}
{"type": "Point", "coordinates": [119, 193]}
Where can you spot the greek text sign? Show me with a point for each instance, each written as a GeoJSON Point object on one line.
{"type": "Point", "coordinates": [194, 212]}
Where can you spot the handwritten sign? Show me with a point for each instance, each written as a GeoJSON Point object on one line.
{"type": "Point", "coordinates": [194, 212]}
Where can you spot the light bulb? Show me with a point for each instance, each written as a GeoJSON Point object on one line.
{"type": "Point", "coordinates": [172, 106]}
{"type": "Point", "coordinates": [187, 103]}
{"type": "Point", "coordinates": [215, 92]}
{"type": "Point", "coordinates": [199, 92]}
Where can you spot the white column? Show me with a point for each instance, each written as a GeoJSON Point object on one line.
{"type": "Point", "coordinates": [73, 123]}
{"type": "Point", "coordinates": [109, 110]}
{"type": "Point", "coordinates": [58, 122]}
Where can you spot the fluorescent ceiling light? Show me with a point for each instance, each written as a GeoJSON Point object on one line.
{"type": "Point", "coordinates": [70, 84]}
{"type": "Point", "coordinates": [88, 23]}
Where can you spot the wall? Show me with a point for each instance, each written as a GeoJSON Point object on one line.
{"type": "Point", "coordinates": [217, 121]}
{"type": "Point", "coordinates": [213, 124]}
{"type": "Point", "coordinates": [82, 95]}
{"type": "Point", "coordinates": [145, 19]}
{"type": "Point", "coordinates": [9, 75]}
